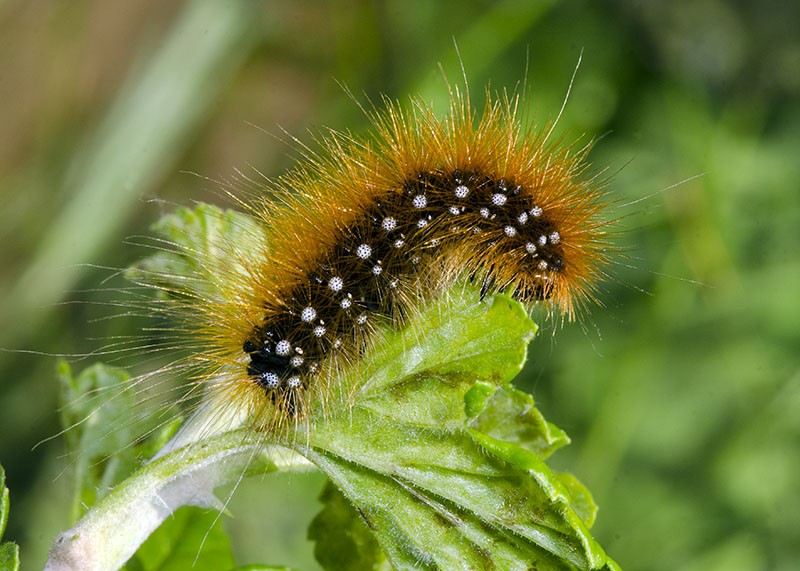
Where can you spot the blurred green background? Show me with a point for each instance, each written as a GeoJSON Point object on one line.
{"type": "Point", "coordinates": [682, 394]}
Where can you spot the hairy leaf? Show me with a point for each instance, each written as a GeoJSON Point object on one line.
{"type": "Point", "coordinates": [442, 459]}
{"type": "Point", "coordinates": [199, 242]}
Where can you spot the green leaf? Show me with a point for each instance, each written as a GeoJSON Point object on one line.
{"type": "Point", "coordinates": [436, 493]}
{"type": "Point", "coordinates": [9, 552]}
{"type": "Point", "coordinates": [192, 538]}
{"type": "Point", "coordinates": [9, 557]}
{"type": "Point", "coordinates": [4, 502]}
{"type": "Point", "coordinates": [508, 414]}
{"type": "Point", "coordinates": [582, 501]}
{"type": "Point", "coordinates": [102, 432]}
{"type": "Point", "coordinates": [200, 243]}
{"type": "Point", "coordinates": [343, 540]}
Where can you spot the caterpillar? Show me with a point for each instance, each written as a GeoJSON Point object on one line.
{"type": "Point", "coordinates": [365, 229]}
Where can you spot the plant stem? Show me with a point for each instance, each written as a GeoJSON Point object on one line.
{"type": "Point", "coordinates": [111, 532]}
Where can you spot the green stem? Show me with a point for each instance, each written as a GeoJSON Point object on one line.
{"type": "Point", "coordinates": [111, 532]}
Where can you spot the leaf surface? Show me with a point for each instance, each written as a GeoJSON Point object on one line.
{"type": "Point", "coordinates": [442, 459]}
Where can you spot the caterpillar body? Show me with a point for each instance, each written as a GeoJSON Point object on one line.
{"type": "Point", "coordinates": [365, 229]}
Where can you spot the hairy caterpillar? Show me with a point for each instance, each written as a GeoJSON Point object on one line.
{"type": "Point", "coordinates": [365, 230]}
{"type": "Point", "coordinates": [334, 259]}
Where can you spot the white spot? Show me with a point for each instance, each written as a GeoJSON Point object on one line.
{"type": "Point", "coordinates": [415, 260]}
{"type": "Point", "coordinates": [536, 211]}
{"type": "Point", "coordinates": [308, 314]}
{"type": "Point", "coordinates": [337, 343]}
{"type": "Point", "coordinates": [346, 303]}
{"type": "Point", "coordinates": [362, 319]}
{"type": "Point", "coordinates": [542, 265]}
{"type": "Point", "coordinates": [394, 283]}
{"type": "Point", "coordinates": [389, 224]}
{"type": "Point", "coordinates": [296, 361]}
{"type": "Point", "coordinates": [293, 382]}
{"type": "Point", "coordinates": [523, 218]}
{"type": "Point", "coordinates": [364, 251]}
{"type": "Point", "coordinates": [435, 242]}
{"type": "Point", "coordinates": [454, 210]}
{"type": "Point", "coordinates": [312, 367]}
{"type": "Point", "coordinates": [336, 283]}
{"type": "Point", "coordinates": [542, 240]}
{"type": "Point", "coordinates": [298, 350]}
{"type": "Point", "coordinates": [420, 201]}
{"type": "Point", "coordinates": [462, 191]}
{"type": "Point", "coordinates": [421, 223]}
{"type": "Point", "coordinates": [377, 270]}
{"type": "Point", "coordinates": [283, 347]}
{"type": "Point", "coordinates": [270, 379]}
{"type": "Point", "coordinates": [319, 331]}
{"type": "Point", "coordinates": [499, 199]}
{"type": "Point", "coordinates": [484, 212]}
{"type": "Point", "coordinates": [555, 238]}
{"type": "Point", "coordinates": [398, 243]}
{"type": "Point", "coordinates": [510, 231]}
{"type": "Point", "coordinates": [530, 247]}
{"type": "Point", "coordinates": [476, 230]}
